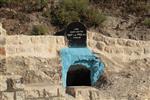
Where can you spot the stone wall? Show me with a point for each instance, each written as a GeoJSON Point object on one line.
{"type": "Point", "coordinates": [28, 60]}
{"type": "Point", "coordinates": [2, 54]}
{"type": "Point", "coordinates": [117, 52]}
{"type": "Point", "coordinates": [124, 50]}
{"type": "Point", "coordinates": [37, 46]}
{"type": "Point", "coordinates": [35, 59]}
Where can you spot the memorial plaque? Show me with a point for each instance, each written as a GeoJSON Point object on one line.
{"type": "Point", "coordinates": [76, 34]}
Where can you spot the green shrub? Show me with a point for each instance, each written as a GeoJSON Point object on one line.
{"type": "Point", "coordinates": [76, 5]}
{"type": "Point", "coordinates": [147, 22]}
{"type": "Point", "coordinates": [94, 18]}
{"type": "Point", "coordinates": [63, 17]}
{"type": "Point", "coordinates": [40, 30]}
{"type": "Point", "coordinates": [75, 10]}
{"type": "Point", "coordinates": [34, 5]}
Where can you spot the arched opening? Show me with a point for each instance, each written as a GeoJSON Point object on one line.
{"type": "Point", "coordinates": [78, 75]}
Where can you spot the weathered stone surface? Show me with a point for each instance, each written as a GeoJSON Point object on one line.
{"type": "Point", "coordinates": [130, 43]}
{"type": "Point", "coordinates": [18, 64]}
{"type": "Point", "coordinates": [87, 93]}
{"type": "Point", "coordinates": [83, 93]}
{"type": "Point", "coordinates": [57, 98]}
{"type": "Point", "coordinates": [121, 42]}
{"type": "Point", "coordinates": [11, 83]}
{"type": "Point", "coordinates": [2, 51]}
{"type": "Point", "coordinates": [146, 50]}
{"type": "Point", "coordinates": [12, 40]}
{"type": "Point", "coordinates": [100, 46]}
{"type": "Point", "coordinates": [18, 84]}
{"type": "Point", "coordinates": [2, 40]}
{"type": "Point", "coordinates": [43, 91]}
{"type": "Point", "coordinates": [2, 31]}
{"type": "Point", "coordinates": [2, 65]}
{"type": "Point", "coordinates": [38, 46]}
{"type": "Point", "coordinates": [36, 59]}
{"type": "Point", "coordinates": [108, 49]}
{"type": "Point", "coordinates": [34, 69]}
{"type": "Point", "coordinates": [8, 96]}
{"type": "Point", "coordinates": [19, 95]}
{"type": "Point", "coordinates": [50, 98]}
{"type": "Point", "coordinates": [111, 47]}
{"type": "Point", "coordinates": [3, 84]}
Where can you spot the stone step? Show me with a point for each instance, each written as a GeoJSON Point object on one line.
{"type": "Point", "coordinates": [47, 98]}
{"type": "Point", "coordinates": [87, 93]}
{"type": "Point", "coordinates": [43, 90]}
{"type": "Point", "coordinates": [83, 92]}
{"type": "Point", "coordinates": [47, 91]}
{"type": "Point", "coordinates": [67, 97]}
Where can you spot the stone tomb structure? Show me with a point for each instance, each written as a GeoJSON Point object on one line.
{"type": "Point", "coordinates": [30, 65]}
{"type": "Point", "coordinates": [40, 67]}
{"type": "Point", "coordinates": [80, 67]}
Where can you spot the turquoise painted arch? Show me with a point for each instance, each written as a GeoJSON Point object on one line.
{"type": "Point", "coordinates": [81, 56]}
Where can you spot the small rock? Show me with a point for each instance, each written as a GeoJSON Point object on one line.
{"type": "Point", "coordinates": [2, 31]}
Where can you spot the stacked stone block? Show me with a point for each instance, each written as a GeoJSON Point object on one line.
{"type": "Point", "coordinates": [2, 54]}
{"type": "Point", "coordinates": [35, 59]}
{"type": "Point", "coordinates": [124, 50]}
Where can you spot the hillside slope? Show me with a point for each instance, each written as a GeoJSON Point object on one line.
{"type": "Point", "coordinates": [124, 19]}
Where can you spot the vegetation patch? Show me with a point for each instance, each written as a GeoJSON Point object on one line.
{"type": "Point", "coordinates": [76, 10]}
{"type": "Point", "coordinates": [40, 30]}
{"type": "Point", "coordinates": [147, 22]}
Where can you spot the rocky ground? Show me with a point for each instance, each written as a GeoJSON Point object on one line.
{"type": "Point", "coordinates": [127, 68]}
{"type": "Point", "coordinates": [130, 27]}
{"type": "Point", "coordinates": [16, 22]}
{"type": "Point", "coordinates": [131, 83]}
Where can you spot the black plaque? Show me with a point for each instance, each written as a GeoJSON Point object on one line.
{"type": "Point", "coordinates": [76, 34]}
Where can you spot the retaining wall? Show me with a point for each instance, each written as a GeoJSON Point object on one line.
{"type": "Point", "coordinates": [33, 59]}
{"type": "Point", "coordinates": [124, 50]}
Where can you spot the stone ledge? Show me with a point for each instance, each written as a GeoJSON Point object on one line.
{"type": "Point", "coordinates": [83, 92]}
{"type": "Point", "coordinates": [44, 90]}
{"type": "Point", "coordinates": [119, 41]}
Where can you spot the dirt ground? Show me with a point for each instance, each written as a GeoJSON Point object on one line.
{"type": "Point", "coordinates": [132, 83]}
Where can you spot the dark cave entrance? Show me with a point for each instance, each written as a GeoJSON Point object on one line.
{"type": "Point", "coordinates": [78, 75]}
